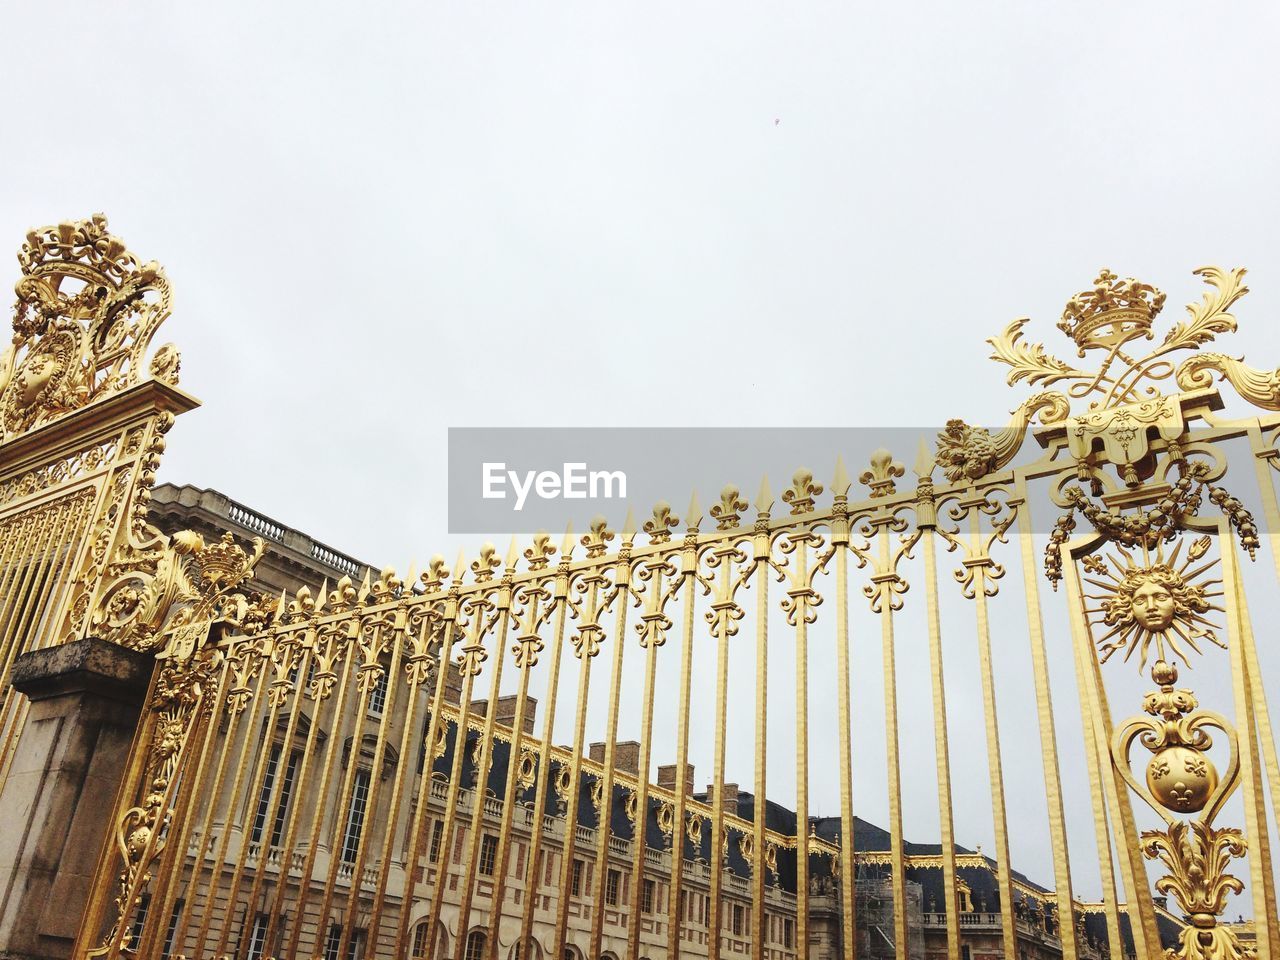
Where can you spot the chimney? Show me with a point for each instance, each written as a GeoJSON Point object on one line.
{"type": "Point", "coordinates": [626, 756]}
{"type": "Point", "coordinates": [730, 802]}
{"type": "Point", "coordinates": [667, 777]}
{"type": "Point", "coordinates": [505, 714]}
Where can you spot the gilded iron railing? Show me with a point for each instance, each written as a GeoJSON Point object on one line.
{"type": "Point", "coordinates": [279, 806]}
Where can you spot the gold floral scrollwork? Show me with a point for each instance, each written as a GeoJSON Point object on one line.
{"type": "Point", "coordinates": [85, 316]}
{"type": "Point", "coordinates": [1108, 317]}
{"type": "Point", "coordinates": [1181, 779]}
{"type": "Point", "coordinates": [1259, 387]}
{"type": "Point", "coordinates": [164, 597]}
{"type": "Point", "coordinates": [180, 699]}
{"type": "Point", "coordinates": [970, 453]}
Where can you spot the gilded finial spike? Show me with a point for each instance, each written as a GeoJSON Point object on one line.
{"type": "Point", "coordinates": [323, 595]}
{"type": "Point", "coordinates": [412, 576]}
{"type": "Point", "coordinates": [925, 462]}
{"type": "Point", "coordinates": [841, 482]}
{"type": "Point", "coordinates": [280, 607]}
{"type": "Point", "coordinates": [566, 546]}
{"type": "Point", "coordinates": [694, 514]}
{"type": "Point", "coordinates": [460, 566]}
{"type": "Point", "coordinates": [512, 553]}
{"type": "Point", "coordinates": [629, 525]}
{"type": "Point", "coordinates": [764, 499]}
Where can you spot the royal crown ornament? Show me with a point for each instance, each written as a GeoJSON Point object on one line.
{"type": "Point", "coordinates": [1114, 312]}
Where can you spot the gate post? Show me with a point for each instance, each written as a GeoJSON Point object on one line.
{"type": "Point", "coordinates": [57, 802]}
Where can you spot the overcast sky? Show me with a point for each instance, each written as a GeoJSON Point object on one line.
{"type": "Point", "coordinates": [384, 220]}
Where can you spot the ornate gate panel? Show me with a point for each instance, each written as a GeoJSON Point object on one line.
{"type": "Point", "coordinates": [82, 424]}
{"type": "Point", "coordinates": [342, 776]}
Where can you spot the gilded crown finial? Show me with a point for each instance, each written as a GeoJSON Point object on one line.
{"type": "Point", "coordinates": [1115, 311]}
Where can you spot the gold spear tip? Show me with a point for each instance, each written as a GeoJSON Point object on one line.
{"type": "Point", "coordinates": [566, 546]}
{"type": "Point", "coordinates": [841, 482]}
{"type": "Point", "coordinates": [694, 514]}
{"type": "Point", "coordinates": [629, 525]}
{"type": "Point", "coordinates": [512, 553]}
{"type": "Point", "coordinates": [460, 566]}
{"type": "Point", "coordinates": [925, 461]}
{"type": "Point", "coordinates": [764, 499]}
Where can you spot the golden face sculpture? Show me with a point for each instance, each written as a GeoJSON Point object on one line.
{"type": "Point", "coordinates": [1153, 602]}
{"type": "Point", "coordinates": [37, 387]}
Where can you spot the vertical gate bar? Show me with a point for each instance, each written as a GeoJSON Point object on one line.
{"type": "Point", "coordinates": [397, 629]}
{"type": "Point", "coordinates": [100, 895]}
{"type": "Point", "coordinates": [1262, 462]}
{"type": "Point", "coordinates": [1133, 871]}
{"type": "Point", "coordinates": [396, 626]}
{"type": "Point", "coordinates": [724, 606]}
{"type": "Point", "coordinates": [20, 601]}
{"type": "Point", "coordinates": [417, 672]}
{"type": "Point", "coordinates": [653, 635]}
{"type": "Point", "coordinates": [1081, 648]}
{"type": "Point", "coordinates": [12, 642]}
{"type": "Point", "coordinates": [800, 613]}
{"type": "Point", "coordinates": [526, 656]}
{"type": "Point", "coordinates": [169, 873]}
{"type": "Point", "coordinates": [342, 638]}
{"type": "Point", "coordinates": [1261, 877]}
{"type": "Point", "coordinates": [622, 597]}
{"type": "Point", "coordinates": [215, 875]}
{"type": "Point", "coordinates": [689, 583]}
{"type": "Point", "coordinates": [346, 791]}
{"type": "Point", "coordinates": [12, 706]}
{"type": "Point", "coordinates": [560, 600]}
{"type": "Point", "coordinates": [282, 647]}
{"type": "Point", "coordinates": [238, 648]}
{"type": "Point", "coordinates": [892, 762]}
{"type": "Point", "coordinates": [585, 648]}
{"type": "Point", "coordinates": [318, 695]}
{"type": "Point", "coordinates": [994, 767]}
{"type": "Point", "coordinates": [461, 726]}
{"type": "Point", "coordinates": [761, 546]}
{"type": "Point", "coordinates": [417, 830]}
{"type": "Point", "coordinates": [941, 742]}
{"type": "Point", "coordinates": [484, 756]}
{"type": "Point", "coordinates": [840, 545]}
{"type": "Point", "coordinates": [277, 785]}
{"type": "Point", "coordinates": [1048, 734]}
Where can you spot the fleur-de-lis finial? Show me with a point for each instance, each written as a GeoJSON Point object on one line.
{"type": "Point", "coordinates": [660, 525]}
{"type": "Point", "coordinates": [387, 585]}
{"type": "Point", "coordinates": [881, 474]}
{"type": "Point", "coordinates": [726, 512]}
{"type": "Point", "coordinates": [436, 574]}
{"type": "Point", "coordinates": [597, 540]}
{"type": "Point", "coordinates": [484, 565]}
{"type": "Point", "coordinates": [801, 492]}
{"type": "Point", "coordinates": [541, 552]}
{"type": "Point", "coordinates": [344, 595]}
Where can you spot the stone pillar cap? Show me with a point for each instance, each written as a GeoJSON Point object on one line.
{"type": "Point", "coordinates": [89, 665]}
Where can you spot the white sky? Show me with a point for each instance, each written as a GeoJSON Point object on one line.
{"type": "Point", "coordinates": [384, 220]}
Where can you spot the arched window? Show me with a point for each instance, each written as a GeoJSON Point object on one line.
{"type": "Point", "coordinates": [475, 946]}
{"type": "Point", "coordinates": [419, 941]}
